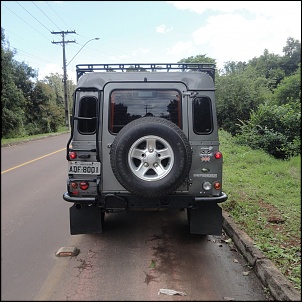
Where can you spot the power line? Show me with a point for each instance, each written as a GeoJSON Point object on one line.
{"type": "Point", "coordinates": [56, 13]}
{"type": "Point", "coordinates": [33, 16]}
{"type": "Point", "coordinates": [30, 55]}
{"type": "Point", "coordinates": [45, 14]}
{"type": "Point", "coordinates": [24, 21]}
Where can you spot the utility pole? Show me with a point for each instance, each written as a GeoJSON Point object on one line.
{"type": "Point", "coordinates": [63, 42]}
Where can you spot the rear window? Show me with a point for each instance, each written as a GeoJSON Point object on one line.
{"type": "Point", "coordinates": [128, 105]}
{"type": "Point", "coordinates": [202, 115]}
{"type": "Point", "coordinates": [87, 114]}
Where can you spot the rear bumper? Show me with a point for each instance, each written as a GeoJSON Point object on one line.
{"type": "Point", "coordinates": [87, 200]}
{"type": "Point", "coordinates": [123, 201]}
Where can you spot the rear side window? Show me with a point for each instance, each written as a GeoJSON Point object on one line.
{"type": "Point", "coordinates": [128, 105]}
{"type": "Point", "coordinates": [202, 115]}
{"type": "Point", "coordinates": [87, 115]}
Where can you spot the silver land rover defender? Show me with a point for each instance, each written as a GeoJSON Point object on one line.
{"type": "Point", "coordinates": [144, 136]}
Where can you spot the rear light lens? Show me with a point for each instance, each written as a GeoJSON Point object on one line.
{"type": "Point", "coordinates": [84, 185]}
{"type": "Point", "coordinates": [217, 185]}
{"type": "Point", "coordinates": [72, 155]}
{"type": "Point", "coordinates": [207, 186]}
{"type": "Point", "coordinates": [73, 185]}
{"type": "Point", "coordinates": [218, 155]}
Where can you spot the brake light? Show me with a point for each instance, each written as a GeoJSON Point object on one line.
{"type": "Point", "coordinates": [217, 185]}
{"type": "Point", "coordinates": [218, 155]}
{"type": "Point", "coordinates": [72, 155]}
{"type": "Point", "coordinates": [84, 185]}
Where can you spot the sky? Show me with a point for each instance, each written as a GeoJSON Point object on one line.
{"type": "Point", "coordinates": [145, 31]}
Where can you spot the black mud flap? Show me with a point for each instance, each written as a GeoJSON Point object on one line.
{"type": "Point", "coordinates": [85, 220]}
{"type": "Point", "coordinates": [206, 220]}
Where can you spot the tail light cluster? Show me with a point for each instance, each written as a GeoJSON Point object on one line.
{"type": "Point", "coordinates": [76, 185]}
{"type": "Point", "coordinates": [207, 186]}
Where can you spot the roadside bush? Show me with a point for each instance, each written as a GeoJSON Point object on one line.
{"type": "Point", "coordinates": [237, 96]}
{"type": "Point", "coordinates": [274, 129]}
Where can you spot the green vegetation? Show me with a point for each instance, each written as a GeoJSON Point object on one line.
{"type": "Point", "coordinates": [29, 106]}
{"type": "Point", "coordinates": [16, 140]}
{"type": "Point", "coordinates": [265, 202]}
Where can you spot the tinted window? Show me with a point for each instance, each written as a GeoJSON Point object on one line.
{"type": "Point", "coordinates": [128, 105]}
{"type": "Point", "coordinates": [87, 110]}
{"type": "Point", "coordinates": [202, 115]}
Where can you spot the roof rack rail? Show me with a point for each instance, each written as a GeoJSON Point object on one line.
{"type": "Point", "coordinates": [208, 68]}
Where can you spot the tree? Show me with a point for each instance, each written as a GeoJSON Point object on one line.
{"type": "Point", "coordinates": [236, 97]}
{"type": "Point", "coordinates": [292, 56]}
{"type": "Point", "coordinates": [198, 59]}
{"type": "Point", "coordinates": [45, 116]}
{"type": "Point", "coordinates": [13, 101]}
{"type": "Point", "coordinates": [275, 129]}
{"type": "Point", "coordinates": [268, 66]}
{"type": "Point", "coordinates": [55, 81]}
{"type": "Point", "coordinates": [232, 67]}
{"type": "Point", "coordinates": [289, 90]}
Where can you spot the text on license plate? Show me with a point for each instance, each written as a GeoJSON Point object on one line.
{"type": "Point", "coordinates": [84, 167]}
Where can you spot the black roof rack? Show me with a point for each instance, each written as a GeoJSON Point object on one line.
{"type": "Point", "coordinates": [208, 68]}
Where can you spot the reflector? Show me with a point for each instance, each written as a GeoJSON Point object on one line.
{"type": "Point", "coordinates": [218, 155]}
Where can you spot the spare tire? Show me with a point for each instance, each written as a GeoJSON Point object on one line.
{"type": "Point", "coordinates": [151, 157]}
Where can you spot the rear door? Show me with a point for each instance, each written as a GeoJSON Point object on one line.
{"type": "Point", "coordinates": [203, 135]}
{"type": "Point", "coordinates": [124, 102]}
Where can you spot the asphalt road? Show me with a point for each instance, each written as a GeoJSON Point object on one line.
{"type": "Point", "coordinates": [138, 256]}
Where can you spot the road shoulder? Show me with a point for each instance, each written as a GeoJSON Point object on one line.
{"type": "Point", "coordinates": [280, 287]}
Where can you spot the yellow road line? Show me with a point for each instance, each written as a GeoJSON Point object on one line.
{"type": "Point", "coordinates": [28, 162]}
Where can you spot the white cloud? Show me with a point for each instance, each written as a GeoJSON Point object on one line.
{"type": "Point", "coordinates": [162, 29]}
{"type": "Point", "coordinates": [279, 8]}
{"type": "Point", "coordinates": [181, 49]}
{"type": "Point", "coordinates": [48, 69]}
{"type": "Point", "coordinates": [202, 6]}
{"type": "Point", "coordinates": [242, 30]}
{"type": "Point", "coordinates": [234, 37]}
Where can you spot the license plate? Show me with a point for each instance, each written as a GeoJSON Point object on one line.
{"type": "Point", "coordinates": [84, 167]}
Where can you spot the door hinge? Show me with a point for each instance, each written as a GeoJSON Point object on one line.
{"type": "Point", "coordinates": [190, 94]}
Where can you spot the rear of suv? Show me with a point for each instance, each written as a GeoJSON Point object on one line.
{"type": "Point", "coordinates": [144, 136]}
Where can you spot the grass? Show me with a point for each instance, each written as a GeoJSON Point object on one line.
{"type": "Point", "coordinates": [16, 140]}
{"type": "Point", "coordinates": [265, 202]}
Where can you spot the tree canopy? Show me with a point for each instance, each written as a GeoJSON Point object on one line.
{"type": "Point", "coordinates": [29, 106]}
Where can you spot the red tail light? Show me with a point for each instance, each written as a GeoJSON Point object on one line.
{"type": "Point", "coordinates": [72, 155]}
{"type": "Point", "coordinates": [217, 185]}
{"type": "Point", "coordinates": [84, 185]}
{"type": "Point", "coordinates": [218, 155]}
